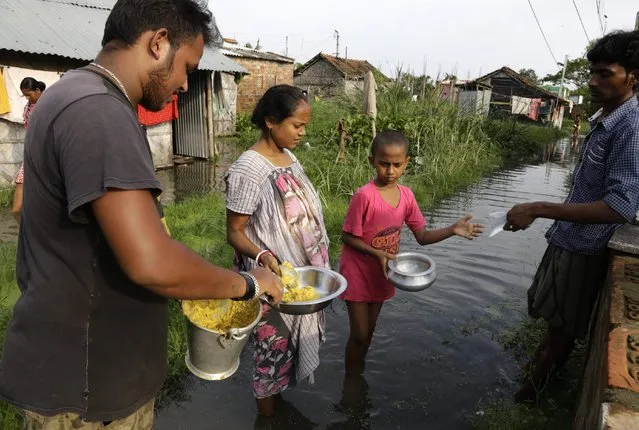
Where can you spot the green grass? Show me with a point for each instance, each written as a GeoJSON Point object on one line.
{"type": "Point", "coordinates": [8, 287]}
{"type": "Point", "coordinates": [10, 417]}
{"type": "Point", "coordinates": [6, 197]}
{"type": "Point", "coordinates": [521, 140]}
{"type": "Point", "coordinates": [556, 402]}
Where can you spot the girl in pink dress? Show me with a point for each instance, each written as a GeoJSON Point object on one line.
{"type": "Point", "coordinates": [371, 236]}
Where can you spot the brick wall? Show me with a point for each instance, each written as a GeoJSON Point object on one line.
{"type": "Point", "coordinates": [263, 75]}
{"type": "Point", "coordinates": [609, 392]}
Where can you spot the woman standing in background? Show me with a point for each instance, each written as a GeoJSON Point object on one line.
{"type": "Point", "coordinates": [32, 89]}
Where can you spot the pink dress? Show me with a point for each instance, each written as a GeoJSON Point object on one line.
{"type": "Point", "coordinates": [27, 113]}
{"type": "Point", "coordinates": [379, 225]}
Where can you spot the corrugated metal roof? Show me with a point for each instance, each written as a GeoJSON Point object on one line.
{"type": "Point", "coordinates": [237, 51]}
{"type": "Point", "coordinates": [65, 29]}
{"type": "Point", "coordinates": [214, 60]}
{"type": "Point", "coordinates": [98, 4]}
{"type": "Point", "coordinates": [43, 27]}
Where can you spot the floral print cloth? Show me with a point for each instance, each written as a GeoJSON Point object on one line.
{"type": "Point", "coordinates": [285, 217]}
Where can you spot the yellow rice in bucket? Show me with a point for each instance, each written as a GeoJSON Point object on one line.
{"type": "Point", "coordinates": [207, 313]}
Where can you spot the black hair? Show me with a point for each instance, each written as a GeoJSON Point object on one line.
{"type": "Point", "coordinates": [184, 20]}
{"type": "Point", "coordinates": [388, 138]}
{"type": "Point", "coordinates": [277, 104]}
{"type": "Point", "coordinates": [32, 84]}
{"type": "Point", "coordinates": [621, 47]}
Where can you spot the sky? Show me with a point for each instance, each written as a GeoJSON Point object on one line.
{"type": "Point", "coordinates": [464, 37]}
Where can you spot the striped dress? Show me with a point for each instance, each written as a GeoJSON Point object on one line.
{"type": "Point", "coordinates": [285, 217]}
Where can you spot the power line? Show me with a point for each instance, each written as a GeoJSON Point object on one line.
{"type": "Point", "coordinates": [581, 21]}
{"type": "Point", "coordinates": [601, 26]}
{"type": "Point", "coordinates": [542, 32]}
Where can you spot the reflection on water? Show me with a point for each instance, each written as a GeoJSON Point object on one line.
{"type": "Point", "coordinates": [197, 178]}
{"type": "Point", "coordinates": [355, 405]}
{"type": "Point", "coordinates": [287, 417]}
{"type": "Point", "coordinates": [435, 353]}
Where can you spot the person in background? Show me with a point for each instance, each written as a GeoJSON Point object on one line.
{"type": "Point", "coordinates": [576, 131]}
{"type": "Point", "coordinates": [604, 195]}
{"type": "Point", "coordinates": [274, 212]}
{"type": "Point", "coordinates": [86, 347]}
{"type": "Point", "coordinates": [32, 89]}
{"type": "Point", "coordinates": [371, 236]}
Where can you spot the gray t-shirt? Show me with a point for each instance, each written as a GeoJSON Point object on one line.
{"type": "Point", "coordinates": [84, 338]}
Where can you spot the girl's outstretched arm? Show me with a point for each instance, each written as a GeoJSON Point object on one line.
{"type": "Point", "coordinates": [462, 228]}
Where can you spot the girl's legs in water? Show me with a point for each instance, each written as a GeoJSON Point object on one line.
{"type": "Point", "coordinates": [362, 318]}
{"type": "Point", "coordinates": [266, 406]}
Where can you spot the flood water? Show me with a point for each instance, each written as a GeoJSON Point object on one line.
{"type": "Point", "coordinates": [435, 354]}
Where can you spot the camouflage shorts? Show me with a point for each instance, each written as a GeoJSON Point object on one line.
{"type": "Point", "coordinates": [142, 419]}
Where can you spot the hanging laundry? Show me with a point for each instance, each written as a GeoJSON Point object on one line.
{"type": "Point", "coordinates": [5, 104]}
{"type": "Point", "coordinates": [13, 76]}
{"type": "Point", "coordinates": [520, 105]}
{"type": "Point", "coordinates": [169, 113]}
{"type": "Point", "coordinates": [535, 105]}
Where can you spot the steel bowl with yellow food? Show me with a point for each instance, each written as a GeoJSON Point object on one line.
{"type": "Point", "coordinates": [309, 289]}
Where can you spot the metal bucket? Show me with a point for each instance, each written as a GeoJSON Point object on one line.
{"type": "Point", "coordinates": [215, 355]}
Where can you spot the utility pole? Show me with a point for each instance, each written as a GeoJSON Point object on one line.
{"type": "Point", "coordinates": [286, 52]}
{"type": "Point", "coordinates": [346, 53]}
{"type": "Point", "coordinates": [563, 76]}
{"type": "Point", "coordinates": [337, 47]}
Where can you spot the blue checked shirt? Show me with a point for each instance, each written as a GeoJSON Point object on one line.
{"type": "Point", "coordinates": [608, 170]}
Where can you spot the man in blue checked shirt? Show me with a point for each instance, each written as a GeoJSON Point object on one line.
{"type": "Point", "coordinates": [604, 195]}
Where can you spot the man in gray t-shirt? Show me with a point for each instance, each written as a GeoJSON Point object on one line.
{"type": "Point", "coordinates": [87, 342]}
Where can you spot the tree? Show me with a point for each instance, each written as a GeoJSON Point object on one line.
{"type": "Point", "coordinates": [529, 74]}
{"type": "Point", "coordinates": [248, 45]}
{"type": "Point", "coordinates": [414, 84]}
{"type": "Point", "coordinates": [577, 77]}
{"type": "Point", "coordinates": [577, 74]}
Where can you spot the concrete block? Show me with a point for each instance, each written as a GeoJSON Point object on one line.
{"type": "Point", "coordinates": [161, 142]}
{"type": "Point", "coordinates": [11, 153]}
{"type": "Point", "coordinates": [618, 417]}
{"type": "Point", "coordinates": [8, 174]}
{"type": "Point", "coordinates": [626, 239]}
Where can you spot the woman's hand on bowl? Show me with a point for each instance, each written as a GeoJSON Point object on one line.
{"type": "Point", "coordinates": [270, 262]}
{"type": "Point", "coordinates": [270, 284]}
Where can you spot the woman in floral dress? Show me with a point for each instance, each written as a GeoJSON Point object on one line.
{"type": "Point", "coordinates": [274, 213]}
{"type": "Point", "coordinates": [31, 89]}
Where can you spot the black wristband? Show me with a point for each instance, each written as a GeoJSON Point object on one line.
{"type": "Point", "coordinates": [250, 287]}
